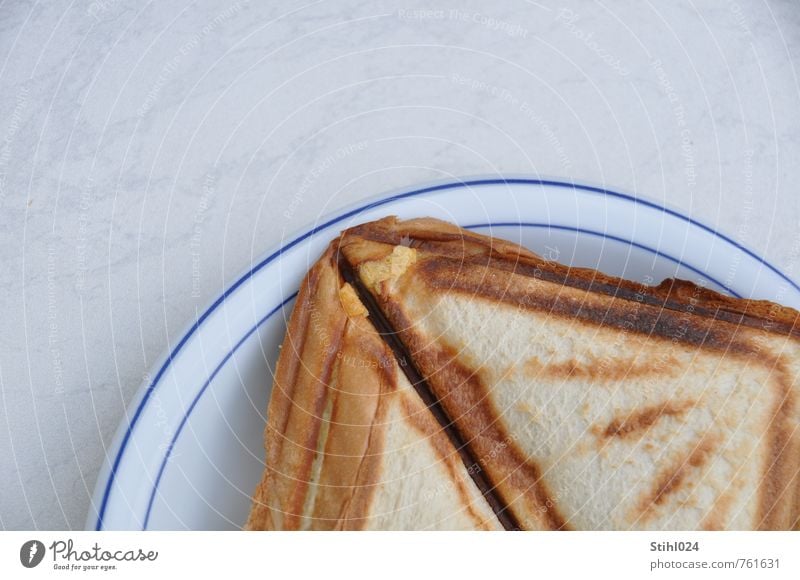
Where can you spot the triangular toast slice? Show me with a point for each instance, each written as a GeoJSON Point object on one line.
{"type": "Point", "coordinates": [592, 402]}
{"type": "Point", "coordinates": [350, 444]}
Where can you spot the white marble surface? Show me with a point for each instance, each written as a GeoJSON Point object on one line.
{"type": "Point", "coordinates": [150, 150]}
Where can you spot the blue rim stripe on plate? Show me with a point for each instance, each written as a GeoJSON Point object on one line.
{"type": "Point", "coordinates": [377, 203]}
{"type": "Point", "coordinates": [199, 394]}
{"type": "Point", "coordinates": [227, 357]}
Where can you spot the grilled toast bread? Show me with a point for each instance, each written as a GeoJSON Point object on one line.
{"type": "Point", "coordinates": [595, 402]}
{"type": "Point", "coordinates": [433, 378]}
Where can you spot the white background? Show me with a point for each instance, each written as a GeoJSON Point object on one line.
{"type": "Point", "coordinates": [149, 151]}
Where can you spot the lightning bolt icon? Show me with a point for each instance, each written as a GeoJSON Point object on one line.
{"type": "Point", "coordinates": [34, 549]}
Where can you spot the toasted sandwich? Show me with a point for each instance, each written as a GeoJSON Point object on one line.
{"type": "Point", "coordinates": [570, 399]}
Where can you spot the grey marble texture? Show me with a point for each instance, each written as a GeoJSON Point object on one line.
{"type": "Point", "coordinates": [149, 151]}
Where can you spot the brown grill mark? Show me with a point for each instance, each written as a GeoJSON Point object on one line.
{"type": "Point", "coordinates": [465, 400]}
{"type": "Point", "coordinates": [440, 444]}
{"type": "Point", "coordinates": [674, 294]}
{"type": "Point", "coordinates": [296, 336]}
{"type": "Point", "coordinates": [597, 369]}
{"type": "Point", "coordinates": [640, 420]}
{"type": "Point", "coordinates": [717, 515]}
{"type": "Point", "coordinates": [353, 513]}
{"type": "Point", "coordinates": [780, 472]}
{"type": "Point", "coordinates": [675, 477]}
{"type": "Point", "coordinates": [473, 278]}
{"type": "Point", "coordinates": [296, 500]}
{"type": "Point", "coordinates": [334, 483]}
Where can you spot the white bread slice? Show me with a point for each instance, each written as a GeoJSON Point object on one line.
{"type": "Point", "coordinates": [350, 445]}
{"type": "Point", "coordinates": [593, 402]}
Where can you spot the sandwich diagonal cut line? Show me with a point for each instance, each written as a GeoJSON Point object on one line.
{"type": "Point", "coordinates": [406, 363]}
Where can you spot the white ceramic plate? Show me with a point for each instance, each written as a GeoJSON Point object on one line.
{"type": "Point", "coordinates": [189, 453]}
